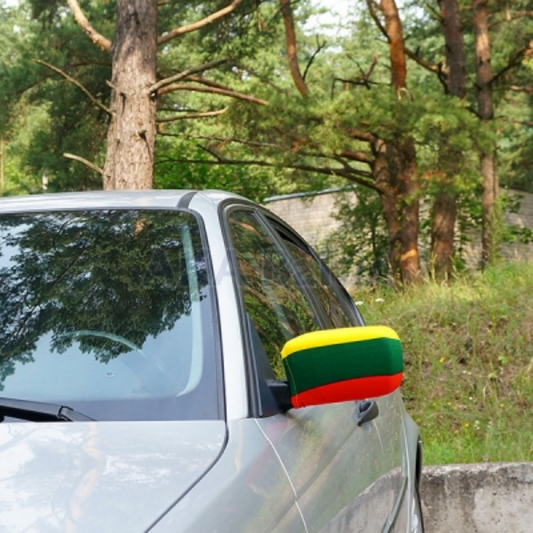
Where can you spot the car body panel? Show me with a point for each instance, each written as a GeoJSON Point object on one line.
{"type": "Point", "coordinates": [91, 200]}
{"type": "Point", "coordinates": [246, 490]}
{"type": "Point", "coordinates": [100, 476]}
{"type": "Point", "coordinates": [333, 463]}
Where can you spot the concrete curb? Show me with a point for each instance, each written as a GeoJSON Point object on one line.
{"type": "Point", "coordinates": [478, 498]}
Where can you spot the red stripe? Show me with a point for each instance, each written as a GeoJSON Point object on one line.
{"type": "Point", "coordinates": [349, 390]}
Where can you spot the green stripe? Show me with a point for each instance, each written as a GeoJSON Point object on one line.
{"type": "Point", "coordinates": [315, 367]}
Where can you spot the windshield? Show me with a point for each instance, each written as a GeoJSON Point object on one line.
{"type": "Point", "coordinates": [108, 312]}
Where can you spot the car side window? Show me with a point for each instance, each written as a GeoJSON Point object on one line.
{"type": "Point", "coordinates": [276, 306]}
{"type": "Point", "coordinates": [316, 280]}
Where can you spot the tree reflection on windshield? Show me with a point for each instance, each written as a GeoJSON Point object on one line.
{"type": "Point", "coordinates": [107, 280]}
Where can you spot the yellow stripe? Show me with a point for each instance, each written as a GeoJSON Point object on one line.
{"type": "Point", "coordinates": [330, 337]}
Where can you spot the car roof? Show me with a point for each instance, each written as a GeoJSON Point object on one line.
{"type": "Point", "coordinates": [138, 199]}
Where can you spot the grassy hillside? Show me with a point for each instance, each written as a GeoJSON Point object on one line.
{"type": "Point", "coordinates": [469, 362]}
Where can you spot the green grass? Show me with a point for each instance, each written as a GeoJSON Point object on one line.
{"type": "Point", "coordinates": [468, 351]}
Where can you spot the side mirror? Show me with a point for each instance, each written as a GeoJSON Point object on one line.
{"type": "Point", "coordinates": [345, 364]}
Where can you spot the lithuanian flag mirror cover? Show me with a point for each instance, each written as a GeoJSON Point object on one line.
{"type": "Point", "coordinates": [343, 364]}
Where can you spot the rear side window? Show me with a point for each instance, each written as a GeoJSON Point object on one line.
{"type": "Point", "coordinates": [274, 303]}
{"type": "Point", "coordinates": [317, 281]}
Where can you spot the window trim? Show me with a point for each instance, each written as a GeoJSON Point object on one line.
{"type": "Point", "coordinates": [252, 377]}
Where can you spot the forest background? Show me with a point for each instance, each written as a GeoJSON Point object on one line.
{"type": "Point", "coordinates": [423, 109]}
{"type": "Point", "coordinates": [411, 104]}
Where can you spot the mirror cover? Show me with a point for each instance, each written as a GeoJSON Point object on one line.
{"type": "Point", "coordinates": [343, 364]}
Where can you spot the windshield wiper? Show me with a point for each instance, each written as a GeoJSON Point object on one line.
{"type": "Point", "coordinates": [39, 411]}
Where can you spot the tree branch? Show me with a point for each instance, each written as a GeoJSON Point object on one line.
{"type": "Point", "coordinates": [517, 89]}
{"type": "Point", "coordinates": [264, 79]}
{"type": "Point", "coordinates": [216, 155]}
{"type": "Point", "coordinates": [81, 19]}
{"type": "Point", "coordinates": [510, 17]}
{"type": "Point", "coordinates": [523, 123]}
{"type": "Point", "coordinates": [436, 69]}
{"type": "Point", "coordinates": [372, 8]}
{"type": "Point", "coordinates": [397, 56]}
{"type": "Point", "coordinates": [199, 24]}
{"type": "Point", "coordinates": [185, 74]}
{"type": "Point", "coordinates": [203, 114]}
{"type": "Point", "coordinates": [208, 83]}
{"type": "Point", "coordinates": [292, 56]}
{"type": "Point", "coordinates": [95, 101]}
{"type": "Point", "coordinates": [211, 90]}
{"type": "Point", "coordinates": [348, 170]}
{"type": "Point", "coordinates": [361, 157]}
{"type": "Point", "coordinates": [92, 166]}
{"type": "Point", "coordinates": [364, 79]}
{"type": "Point", "coordinates": [354, 175]}
{"type": "Point", "coordinates": [441, 73]}
{"type": "Point", "coordinates": [362, 135]}
{"type": "Point", "coordinates": [514, 61]}
{"type": "Point", "coordinates": [228, 140]}
{"type": "Point", "coordinates": [319, 47]}
{"type": "Point", "coordinates": [224, 88]}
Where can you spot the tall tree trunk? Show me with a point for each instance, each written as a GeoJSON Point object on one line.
{"type": "Point", "coordinates": [444, 209]}
{"type": "Point", "coordinates": [388, 195]}
{"type": "Point", "coordinates": [489, 171]}
{"type": "Point", "coordinates": [398, 184]}
{"type": "Point", "coordinates": [455, 47]}
{"type": "Point", "coordinates": [132, 129]}
{"type": "Point", "coordinates": [394, 30]}
{"type": "Point", "coordinates": [292, 56]}
{"type": "Point", "coordinates": [402, 157]}
{"type": "Point", "coordinates": [443, 217]}
{"type": "Point", "coordinates": [394, 170]}
{"type": "Point", "coordinates": [490, 219]}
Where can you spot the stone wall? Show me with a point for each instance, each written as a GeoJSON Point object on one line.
{"type": "Point", "coordinates": [478, 498]}
{"type": "Point", "coordinates": [310, 215]}
{"type": "Point", "coordinates": [313, 217]}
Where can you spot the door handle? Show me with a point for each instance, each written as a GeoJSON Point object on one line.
{"type": "Point", "coordinates": [367, 410]}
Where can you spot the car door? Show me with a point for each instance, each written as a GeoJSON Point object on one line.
{"type": "Point", "coordinates": [387, 493]}
{"type": "Point", "coordinates": [336, 464]}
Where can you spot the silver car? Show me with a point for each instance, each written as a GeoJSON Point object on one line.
{"type": "Point", "coordinates": [182, 361]}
